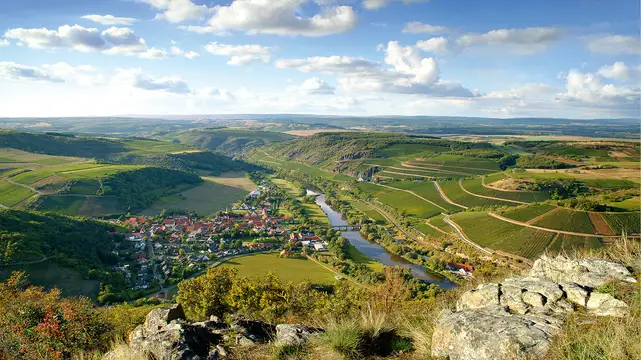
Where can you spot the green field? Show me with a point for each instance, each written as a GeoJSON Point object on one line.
{"type": "Point", "coordinates": [142, 147]}
{"type": "Point", "coordinates": [628, 222]}
{"type": "Point", "coordinates": [401, 200]}
{"type": "Point", "coordinates": [427, 190]}
{"type": "Point", "coordinates": [33, 176]}
{"type": "Point", "coordinates": [567, 220]}
{"type": "Point", "coordinates": [500, 235]}
{"type": "Point", "coordinates": [626, 205]}
{"type": "Point", "coordinates": [68, 205]}
{"type": "Point", "coordinates": [294, 270]}
{"type": "Point", "coordinates": [402, 150]}
{"type": "Point", "coordinates": [527, 212]}
{"type": "Point", "coordinates": [476, 186]}
{"type": "Point", "coordinates": [404, 171]}
{"type": "Point", "coordinates": [203, 199]}
{"type": "Point", "coordinates": [456, 163]}
{"type": "Point", "coordinates": [267, 161]}
{"type": "Point", "coordinates": [11, 194]}
{"type": "Point", "coordinates": [439, 223]}
{"type": "Point", "coordinates": [451, 170]}
{"type": "Point", "coordinates": [454, 191]}
{"type": "Point", "coordinates": [597, 183]}
{"type": "Point", "coordinates": [360, 258]}
{"type": "Point", "coordinates": [426, 230]}
{"type": "Point", "coordinates": [565, 242]}
{"type": "Point", "coordinates": [369, 211]}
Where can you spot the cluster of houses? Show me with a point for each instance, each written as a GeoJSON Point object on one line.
{"type": "Point", "coordinates": [159, 248]}
{"type": "Point", "coordinates": [309, 240]}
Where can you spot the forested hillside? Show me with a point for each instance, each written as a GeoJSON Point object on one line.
{"type": "Point", "coordinates": [60, 144]}
{"type": "Point", "coordinates": [208, 161]}
{"type": "Point", "coordinates": [228, 141]}
{"type": "Point", "coordinates": [78, 242]}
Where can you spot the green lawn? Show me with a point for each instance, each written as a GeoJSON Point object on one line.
{"type": "Point", "coordinates": [11, 194]}
{"type": "Point", "coordinates": [294, 270]}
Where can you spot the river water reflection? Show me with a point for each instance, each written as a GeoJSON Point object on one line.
{"type": "Point", "coordinates": [375, 251]}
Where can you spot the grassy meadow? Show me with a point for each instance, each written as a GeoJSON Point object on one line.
{"type": "Point", "coordinates": [295, 270]}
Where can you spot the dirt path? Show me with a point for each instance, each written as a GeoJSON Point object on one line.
{"type": "Point", "coordinates": [437, 169]}
{"type": "Point", "coordinates": [551, 230]}
{"type": "Point", "coordinates": [532, 221]}
{"type": "Point", "coordinates": [415, 194]}
{"type": "Point", "coordinates": [427, 222]}
{"type": "Point", "coordinates": [440, 191]}
{"type": "Point", "coordinates": [460, 183]}
{"type": "Point", "coordinates": [24, 186]}
{"type": "Point", "coordinates": [462, 235]}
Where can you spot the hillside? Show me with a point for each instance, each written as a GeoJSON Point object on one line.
{"type": "Point", "coordinates": [60, 144]}
{"type": "Point", "coordinates": [30, 236]}
{"type": "Point", "coordinates": [229, 141]}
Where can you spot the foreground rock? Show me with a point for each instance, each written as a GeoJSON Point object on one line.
{"type": "Point", "coordinates": [517, 318]}
{"type": "Point", "coordinates": [166, 335]}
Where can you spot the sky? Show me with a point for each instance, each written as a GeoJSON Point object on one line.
{"type": "Point", "coordinates": [494, 58]}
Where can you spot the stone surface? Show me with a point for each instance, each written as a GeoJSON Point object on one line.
{"type": "Point", "coordinates": [256, 331]}
{"type": "Point", "coordinates": [606, 305]}
{"type": "Point", "coordinates": [491, 334]}
{"type": "Point", "coordinates": [586, 272]}
{"type": "Point", "coordinates": [292, 334]}
{"type": "Point", "coordinates": [575, 293]}
{"type": "Point", "coordinates": [533, 299]}
{"type": "Point", "coordinates": [484, 295]}
{"type": "Point", "coordinates": [158, 318]}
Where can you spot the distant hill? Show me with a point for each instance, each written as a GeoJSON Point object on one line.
{"type": "Point", "coordinates": [60, 144]}
{"type": "Point", "coordinates": [228, 141]}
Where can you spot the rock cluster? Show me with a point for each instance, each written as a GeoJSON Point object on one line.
{"type": "Point", "coordinates": [166, 335]}
{"type": "Point", "coordinates": [517, 318]}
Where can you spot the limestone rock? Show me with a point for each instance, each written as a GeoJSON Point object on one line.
{"type": "Point", "coordinates": [292, 334]}
{"type": "Point", "coordinates": [484, 295]}
{"type": "Point", "coordinates": [586, 272]}
{"type": "Point", "coordinates": [511, 297]}
{"type": "Point", "coordinates": [533, 299]}
{"type": "Point", "coordinates": [491, 334]}
{"type": "Point", "coordinates": [575, 293]}
{"type": "Point", "coordinates": [158, 318]}
{"type": "Point", "coordinates": [606, 305]}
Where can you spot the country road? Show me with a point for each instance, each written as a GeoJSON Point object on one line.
{"type": "Point", "coordinates": [520, 223]}
{"type": "Point", "coordinates": [460, 183]}
{"type": "Point", "coordinates": [462, 235]}
{"type": "Point", "coordinates": [440, 191]}
{"type": "Point", "coordinates": [24, 186]}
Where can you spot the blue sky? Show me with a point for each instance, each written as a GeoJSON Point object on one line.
{"type": "Point", "coordinates": [571, 58]}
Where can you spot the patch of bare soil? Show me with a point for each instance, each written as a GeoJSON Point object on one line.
{"type": "Point", "coordinates": [511, 184]}
{"type": "Point", "coordinates": [599, 223]}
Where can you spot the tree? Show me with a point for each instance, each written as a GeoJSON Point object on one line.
{"type": "Point", "coordinates": [206, 295]}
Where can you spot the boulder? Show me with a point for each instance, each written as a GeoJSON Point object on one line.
{"type": "Point", "coordinates": [158, 318]}
{"type": "Point", "coordinates": [491, 334]}
{"type": "Point", "coordinates": [484, 295]}
{"type": "Point", "coordinates": [606, 305]}
{"type": "Point", "coordinates": [293, 334]}
{"type": "Point", "coordinates": [256, 331]}
{"type": "Point", "coordinates": [590, 273]}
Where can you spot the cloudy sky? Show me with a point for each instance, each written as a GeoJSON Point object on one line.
{"type": "Point", "coordinates": [494, 58]}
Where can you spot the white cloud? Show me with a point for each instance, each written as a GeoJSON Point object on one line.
{"type": "Point", "coordinates": [410, 73]}
{"type": "Point", "coordinates": [176, 11]}
{"type": "Point", "coordinates": [4, 42]}
{"type": "Point", "coordinates": [377, 4]}
{"type": "Point", "coordinates": [176, 51]}
{"type": "Point", "coordinates": [112, 41]}
{"type": "Point", "coordinates": [525, 41]}
{"type": "Point", "coordinates": [316, 86]}
{"type": "Point", "coordinates": [615, 44]}
{"type": "Point", "coordinates": [136, 78]}
{"type": "Point", "coordinates": [436, 45]}
{"type": "Point", "coordinates": [420, 28]}
{"type": "Point", "coordinates": [277, 17]}
{"type": "Point", "coordinates": [57, 73]}
{"type": "Point", "coordinates": [110, 19]}
{"type": "Point", "coordinates": [240, 54]}
{"type": "Point", "coordinates": [620, 71]}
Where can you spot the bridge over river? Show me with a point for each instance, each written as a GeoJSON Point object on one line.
{"type": "Point", "coordinates": [343, 227]}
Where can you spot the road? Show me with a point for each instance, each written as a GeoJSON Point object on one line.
{"type": "Point", "coordinates": [45, 258]}
{"type": "Point", "coordinates": [460, 183]}
{"type": "Point", "coordinates": [440, 191]}
{"type": "Point", "coordinates": [24, 186]}
{"type": "Point", "coordinates": [516, 222]}
{"type": "Point", "coordinates": [427, 222]}
{"type": "Point", "coordinates": [462, 235]}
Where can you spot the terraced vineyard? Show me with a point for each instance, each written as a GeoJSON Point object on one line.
{"type": "Point", "coordinates": [439, 223]}
{"type": "Point", "coordinates": [427, 190]}
{"type": "Point", "coordinates": [526, 213]}
{"type": "Point", "coordinates": [565, 242]}
{"type": "Point", "coordinates": [454, 191]}
{"type": "Point", "coordinates": [567, 220]}
{"type": "Point", "coordinates": [504, 236]}
{"type": "Point", "coordinates": [464, 164]}
{"type": "Point", "coordinates": [476, 186]}
{"type": "Point", "coordinates": [401, 200]}
{"type": "Point", "coordinates": [11, 194]}
{"type": "Point", "coordinates": [628, 222]}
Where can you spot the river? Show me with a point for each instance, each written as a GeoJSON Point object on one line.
{"type": "Point", "coordinates": [375, 251]}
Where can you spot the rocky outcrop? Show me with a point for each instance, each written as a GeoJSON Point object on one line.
{"type": "Point", "coordinates": [517, 318]}
{"type": "Point", "coordinates": [166, 335]}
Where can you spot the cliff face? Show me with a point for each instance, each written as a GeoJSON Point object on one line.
{"type": "Point", "coordinates": [517, 318]}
